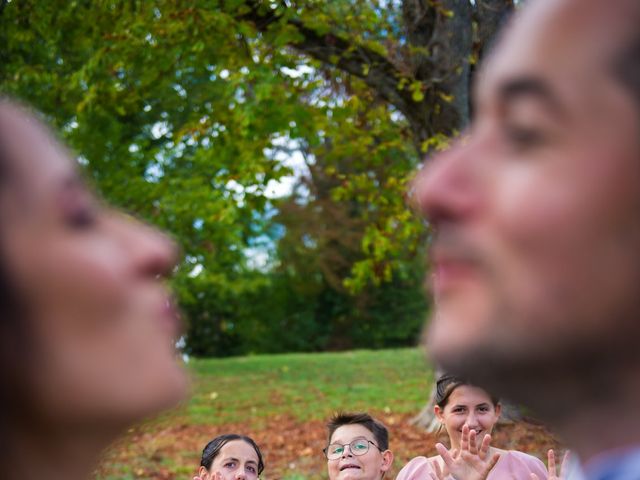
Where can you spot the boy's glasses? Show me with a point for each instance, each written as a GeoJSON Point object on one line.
{"type": "Point", "coordinates": [357, 447]}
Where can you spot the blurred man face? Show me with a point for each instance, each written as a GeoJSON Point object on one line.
{"type": "Point", "coordinates": [536, 211]}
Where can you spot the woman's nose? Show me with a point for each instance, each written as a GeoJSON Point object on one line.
{"type": "Point", "coordinates": [471, 422]}
{"type": "Point", "coordinates": [152, 252]}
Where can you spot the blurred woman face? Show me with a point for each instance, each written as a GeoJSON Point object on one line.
{"type": "Point", "coordinates": [468, 405]}
{"type": "Point", "coordinates": [101, 321]}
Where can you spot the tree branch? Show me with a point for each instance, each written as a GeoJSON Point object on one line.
{"type": "Point", "coordinates": [373, 68]}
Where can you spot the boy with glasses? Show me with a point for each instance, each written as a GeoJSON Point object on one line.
{"type": "Point", "coordinates": [358, 447]}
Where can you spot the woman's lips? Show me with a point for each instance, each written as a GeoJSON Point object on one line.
{"type": "Point", "coordinates": [170, 317]}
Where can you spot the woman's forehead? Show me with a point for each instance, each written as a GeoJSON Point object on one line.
{"type": "Point", "coordinates": [469, 394]}
{"type": "Point", "coordinates": [32, 157]}
{"type": "Point", "coordinates": [238, 449]}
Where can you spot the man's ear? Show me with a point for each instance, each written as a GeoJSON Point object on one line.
{"type": "Point", "coordinates": [387, 460]}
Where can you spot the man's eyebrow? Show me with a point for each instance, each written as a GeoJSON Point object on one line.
{"type": "Point", "coordinates": [523, 87]}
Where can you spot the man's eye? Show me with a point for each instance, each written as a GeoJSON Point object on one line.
{"type": "Point", "coordinates": [337, 450]}
{"type": "Point", "coordinates": [360, 446]}
{"type": "Point", "coordinates": [82, 218]}
{"type": "Point", "coordinates": [523, 138]}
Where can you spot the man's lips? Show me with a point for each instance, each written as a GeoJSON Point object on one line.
{"type": "Point", "coordinates": [447, 273]}
{"type": "Point", "coordinates": [348, 465]}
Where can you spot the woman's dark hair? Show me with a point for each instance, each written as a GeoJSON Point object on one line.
{"type": "Point", "coordinates": [447, 383]}
{"type": "Point", "coordinates": [14, 331]}
{"type": "Point", "coordinates": [376, 427]}
{"type": "Point", "coordinates": [212, 449]}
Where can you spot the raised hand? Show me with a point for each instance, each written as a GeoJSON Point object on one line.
{"type": "Point", "coordinates": [212, 476]}
{"type": "Point", "coordinates": [470, 463]}
{"type": "Point", "coordinates": [551, 466]}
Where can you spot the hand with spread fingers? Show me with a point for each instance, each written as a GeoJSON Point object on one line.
{"type": "Point", "coordinates": [469, 463]}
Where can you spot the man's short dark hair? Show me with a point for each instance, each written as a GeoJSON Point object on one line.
{"type": "Point", "coordinates": [380, 432]}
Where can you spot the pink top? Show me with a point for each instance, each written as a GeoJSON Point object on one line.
{"type": "Point", "coordinates": [512, 465]}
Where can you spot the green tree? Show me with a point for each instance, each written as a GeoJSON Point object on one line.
{"type": "Point", "coordinates": [176, 110]}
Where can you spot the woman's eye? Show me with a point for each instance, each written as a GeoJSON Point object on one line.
{"type": "Point", "coordinates": [251, 469]}
{"type": "Point", "coordinates": [230, 465]}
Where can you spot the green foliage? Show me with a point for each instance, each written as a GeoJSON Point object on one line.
{"type": "Point", "coordinates": [176, 109]}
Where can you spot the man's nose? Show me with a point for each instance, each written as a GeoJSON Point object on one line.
{"type": "Point", "coordinates": [446, 187]}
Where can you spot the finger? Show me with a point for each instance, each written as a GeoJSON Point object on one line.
{"type": "Point", "coordinates": [436, 468]}
{"type": "Point", "coordinates": [485, 446]}
{"type": "Point", "coordinates": [445, 454]}
{"type": "Point", "coordinates": [464, 441]}
{"type": "Point", "coordinates": [565, 462]}
{"type": "Point", "coordinates": [473, 446]}
{"type": "Point", "coordinates": [551, 458]}
{"type": "Point", "coordinates": [492, 463]}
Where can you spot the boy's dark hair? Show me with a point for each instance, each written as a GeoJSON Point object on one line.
{"type": "Point", "coordinates": [380, 432]}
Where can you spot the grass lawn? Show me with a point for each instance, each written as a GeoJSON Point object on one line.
{"type": "Point", "coordinates": [282, 401]}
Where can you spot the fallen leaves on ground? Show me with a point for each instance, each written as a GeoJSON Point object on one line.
{"type": "Point", "coordinates": [291, 447]}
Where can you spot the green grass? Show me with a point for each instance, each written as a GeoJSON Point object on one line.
{"type": "Point", "coordinates": [306, 385]}
{"type": "Point", "coordinates": [248, 393]}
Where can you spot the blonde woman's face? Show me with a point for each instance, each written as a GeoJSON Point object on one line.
{"type": "Point", "coordinates": [101, 319]}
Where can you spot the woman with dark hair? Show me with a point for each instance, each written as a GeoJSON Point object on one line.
{"type": "Point", "coordinates": [230, 457]}
{"type": "Point", "coordinates": [87, 325]}
{"type": "Point", "coordinates": [468, 414]}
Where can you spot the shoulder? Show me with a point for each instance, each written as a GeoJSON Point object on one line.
{"type": "Point", "coordinates": [416, 468]}
{"type": "Point", "coordinates": [520, 463]}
